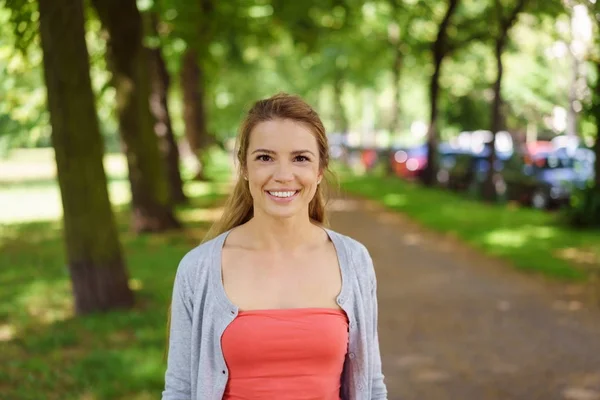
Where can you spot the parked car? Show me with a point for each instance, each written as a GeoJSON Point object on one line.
{"type": "Point", "coordinates": [466, 170]}
{"type": "Point", "coordinates": [452, 163]}
{"type": "Point", "coordinates": [584, 160]}
{"type": "Point", "coordinates": [544, 179]}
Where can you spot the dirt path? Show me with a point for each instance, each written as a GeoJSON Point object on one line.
{"type": "Point", "coordinates": [455, 325]}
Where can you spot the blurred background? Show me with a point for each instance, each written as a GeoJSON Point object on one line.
{"type": "Point", "coordinates": [476, 120]}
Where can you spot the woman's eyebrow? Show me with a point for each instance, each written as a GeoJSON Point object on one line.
{"type": "Point", "coordinates": [263, 151]}
{"type": "Point", "coordinates": [296, 152]}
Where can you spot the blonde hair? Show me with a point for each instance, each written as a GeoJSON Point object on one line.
{"type": "Point", "coordinates": [239, 207]}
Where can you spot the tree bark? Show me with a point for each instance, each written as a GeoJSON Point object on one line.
{"type": "Point", "coordinates": [571, 112]}
{"type": "Point", "coordinates": [396, 71]}
{"type": "Point", "coordinates": [489, 187]}
{"type": "Point", "coordinates": [596, 111]}
{"type": "Point", "coordinates": [439, 50]}
{"type": "Point", "coordinates": [341, 120]}
{"type": "Point", "coordinates": [128, 62]}
{"type": "Point", "coordinates": [98, 273]}
{"type": "Point", "coordinates": [194, 112]}
{"type": "Point", "coordinates": [162, 122]}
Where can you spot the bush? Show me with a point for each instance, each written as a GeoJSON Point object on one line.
{"type": "Point", "coordinates": [584, 208]}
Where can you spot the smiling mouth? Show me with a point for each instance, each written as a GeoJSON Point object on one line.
{"type": "Point", "coordinates": [282, 194]}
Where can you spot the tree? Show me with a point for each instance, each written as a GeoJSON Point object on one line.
{"type": "Point", "coordinates": [455, 31]}
{"type": "Point", "coordinates": [193, 79]}
{"type": "Point", "coordinates": [128, 61]}
{"type": "Point", "coordinates": [97, 268]}
{"type": "Point", "coordinates": [402, 40]}
{"type": "Point", "coordinates": [439, 50]}
{"type": "Point", "coordinates": [162, 117]}
{"type": "Point", "coordinates": [594, 8]}
{"type": "Point", "coordinates": [596, 113]}
{"type": "Point", "coordinates": [504, 21]}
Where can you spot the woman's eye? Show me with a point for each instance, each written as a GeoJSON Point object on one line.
{"type": "Point", "coordinates": [302, 158]}
{"type": "Point", "coordinates": [263, 157]}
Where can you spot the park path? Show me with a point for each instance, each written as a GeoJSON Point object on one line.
{"type": "Point", "coordinates": [455, 325]}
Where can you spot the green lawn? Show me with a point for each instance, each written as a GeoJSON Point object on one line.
{"type": "Point", "coordinates": [532, 240]}
{"type": "Point", "coordinates": [46, 352]}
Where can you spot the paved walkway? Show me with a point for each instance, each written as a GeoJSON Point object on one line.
{"type": "Point", "coordinates": [455, 325]}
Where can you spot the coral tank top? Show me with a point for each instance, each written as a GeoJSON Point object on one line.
{"type": "Point", "coordinates": [285, 354]}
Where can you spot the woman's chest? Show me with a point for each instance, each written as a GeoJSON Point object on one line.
{"type": "Point", "coordinates": [255, 281]}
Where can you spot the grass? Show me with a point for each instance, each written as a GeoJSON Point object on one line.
{"type": "Point", "coordinates": [47, 353]}
{"type": "Point", "coordinates": [532, 240]}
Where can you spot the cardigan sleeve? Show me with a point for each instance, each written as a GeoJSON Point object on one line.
{"type": "Point", "coordinates": [178, 374]}
{"type": "Point", "coordinates": [378, 387]}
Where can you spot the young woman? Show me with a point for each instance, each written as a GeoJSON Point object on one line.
{"type": "Point", "coordinates": [274, 305]}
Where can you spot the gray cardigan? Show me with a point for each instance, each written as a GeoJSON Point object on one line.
{"type": "Point", "coordinates": [200, 312]}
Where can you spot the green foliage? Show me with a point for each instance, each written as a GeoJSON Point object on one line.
{"type": "Point", "coordinates": [584, 208]}
{"type": "Point", "coordinates": [254, 48]}
{"type": "Point", "coordinates": [23, 117]}
{"type": "Point", "coordinates": [24, 18]}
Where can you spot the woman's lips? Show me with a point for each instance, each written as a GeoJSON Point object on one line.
{"type": "Point", "coordinates": [282, 199]}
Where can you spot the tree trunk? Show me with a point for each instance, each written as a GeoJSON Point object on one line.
{"type": "Point", "coordinates": [162, 122]}
{"type": "Point", "coordinates": [341, 121]}
{"type": "Point", "coordinates": [429, 174]}
{"type": "Point", "coordinates": [489, 187]}
{"type": "Point", "coordinates": [439, 50]}
{"type": "Point", "coordinates": [571, 111]}
{"type": "Point", "coordinates": [596, 111]}
{"type": "Point", "coordinates": [98, 273]}
{"type": "Point", "coordinates": [396, 71]}
{"type": "Point", "coordinates": [128, 62]}
{"type": "Point", "coordinates": [194, 114]}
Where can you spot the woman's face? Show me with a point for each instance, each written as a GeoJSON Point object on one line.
{"type": "Point", "coordinates": [282, 167]}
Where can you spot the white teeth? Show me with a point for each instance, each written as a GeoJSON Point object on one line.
{"type": "Point", "coordinates": [282, 194]}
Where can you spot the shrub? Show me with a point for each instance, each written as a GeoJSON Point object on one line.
{"type": "Point", "coordinates": [584, 208]}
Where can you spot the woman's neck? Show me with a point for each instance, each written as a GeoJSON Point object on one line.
{"type": "Point", "coordinates": [266, 233]}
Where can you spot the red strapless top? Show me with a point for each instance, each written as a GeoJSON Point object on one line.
{"type": "Point", "coordinates": [285, 354]}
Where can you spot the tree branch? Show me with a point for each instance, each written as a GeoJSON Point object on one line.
{"type": "Point", "coordinates": [439, 46]}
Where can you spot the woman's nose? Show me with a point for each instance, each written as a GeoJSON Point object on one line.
{"type": "Point", "coordinates": [283, 172]}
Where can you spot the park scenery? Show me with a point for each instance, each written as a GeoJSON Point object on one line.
{"type": "Point", "coordinates": [465, 155]}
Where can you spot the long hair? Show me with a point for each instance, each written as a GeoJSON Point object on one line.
{"type": "Point", "coordinates": [238, 208]}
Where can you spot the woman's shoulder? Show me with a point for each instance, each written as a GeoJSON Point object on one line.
{"type": "Point", "coordinates": [353, 246]}
{"type": "Point", "coordinates": [354, 251]}
{"type": "Point", "coordinates": [199, 259]}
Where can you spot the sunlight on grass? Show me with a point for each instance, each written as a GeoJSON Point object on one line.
{"type": "Point", "coordinates": [29, 188]}
{"type": "Point", "coordinates": [201, 215]}
{"type": "Point", "coordinates": [195, 188]}
{"type": "Point", "coordinates": [7, 332]}
{"type": "Point", "coordinates": [47, 302]}
{"type": "Point", "coordinates": [520, 236]}
{"type": "Point", "coordinates": [135, 284]}
{"type": "Point", "coordinates": [394, 199]}
{"type": "Point", "coordinates": [581, 256]}
{"type": "Point", "coordinates": [506, 237]}
{"type": "Point", "coordinates": [19, 205]}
